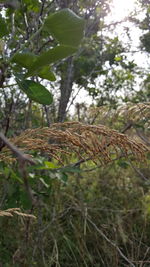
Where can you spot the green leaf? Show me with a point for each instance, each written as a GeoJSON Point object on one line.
{"type": "Point", "coordinates": [50, 165]}
{"type": "Point", "coordinates": [123, 164]}
{"type": "Point", "coordinates": [47, 166]}
{"type": "Point", "coordinates": [32, 5]}
{"type": "Point", "coordinates": [3, 27]}
{"type": "Point", "coordinates": [24, 59]}
{"type": "Point", "coordinates": [45, 73]}
{"type": "Point", "coordinates": [71, 170]}
{"type": "Point", "coordinates": [24, 200]}
{"type": "Point", "coordinates": [66, 27]}
{"type": "Point", "coordinates": [35, 91]}
{"type": "Point", "coordinates": [64, 178]}
{"type": "Point", "coordinates": [44, 183]}
{"type": "Point", "coordinates": [16, 177]}
{"type": "Point", "coordinates": [51, 56]}
{"type": "Point", "coordinates": [118, 58]}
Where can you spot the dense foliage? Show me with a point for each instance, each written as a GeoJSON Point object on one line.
{"type": "Point", "coordinates": [74, 187]}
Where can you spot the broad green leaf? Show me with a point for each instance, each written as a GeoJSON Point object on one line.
{"type": "Point", "coordinates": [50, 165]}
{"type": "Point", "coordinates": [47, 166]}
{"type": "Point", "coordinates": [35, 91]}
{"type": "Point", "coordinates": [24, 59]}
{"type": "Point", "coordinates": [3, 27]}
{"type": "Point", "coordinates": [71, 170]}
{"type": "Point", "coordinates": [47, 74]}
{"type": "Point", "coordinates": [51, 56]}
{"type": "Point", "coordinates": [27, 59]}
{"type": "Point", "coordinates": [66, 27]}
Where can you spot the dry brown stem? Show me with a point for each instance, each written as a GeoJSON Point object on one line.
{"type": "Point", "coordinates": [12, 211]}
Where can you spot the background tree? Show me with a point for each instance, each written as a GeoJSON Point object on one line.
{"type": "Point", "coordinates": [87, 213]}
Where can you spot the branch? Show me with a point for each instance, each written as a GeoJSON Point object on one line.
{"type": "Point", "coordinates": [50, 40]}
{"type": "Point", "coordinates": [28, 41]}
{"type": "Point", "coordinates": [42, 8]}
{"type": "Point", "coordinates": [138, 172]}
{"type": "Point", "coordinates": [20, 155]}
{"type": "Point", "coordinates": [8, 117]}
{"type": "Point", "coordinates": [127, 127]}
{"type": "Point", "coordinates": [111, 242]}
{"type": "Point", "coordinates": [23, 159]}
{"type": "Point", "coordinates": [142, 137]}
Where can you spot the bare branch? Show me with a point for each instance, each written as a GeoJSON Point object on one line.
{"type": "Point", "coordinates": [20, 155]}
{"type": "Point", "coordinates": [23, 159]}
{"type": "Point", "coordinates": [142, 136]}
{"type": "Point", "coordinates": [110, 242]}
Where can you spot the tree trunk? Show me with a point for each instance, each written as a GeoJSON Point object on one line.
{"type": "Point", "coordinates": [65, 89]}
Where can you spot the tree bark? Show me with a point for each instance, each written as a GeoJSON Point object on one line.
{"type": "Point", "coordinates": [65, 89]}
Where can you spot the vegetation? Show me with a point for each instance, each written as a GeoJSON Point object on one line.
{"type": "Point", "coordinates": [74, 186]}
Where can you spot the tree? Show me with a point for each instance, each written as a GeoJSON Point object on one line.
{"type": "Point", "coordinates": [26, 34]}
{"type": "Point", "coordinates": [85, 214]}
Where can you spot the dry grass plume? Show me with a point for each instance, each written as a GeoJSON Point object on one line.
{"type": "Point", "coordinates": [74, 140]}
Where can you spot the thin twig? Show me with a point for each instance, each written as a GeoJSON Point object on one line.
{"type": "Point", "coordinates": [138, 172]}
{"type": "Point", "coordinates": [20, 155]}
{"type": "Point", "coordinates": [110, 242]}
{"type": "Point", "coordinates": [23, 159]}
{"type": "Point", "coordinates": [143, 138]}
